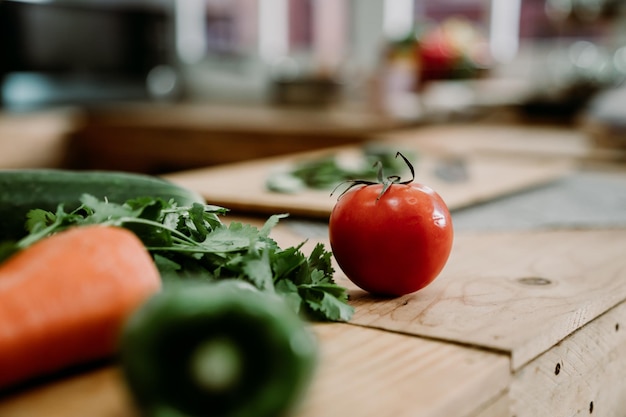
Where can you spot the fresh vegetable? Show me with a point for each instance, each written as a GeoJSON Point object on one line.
{"type": "Point", "coordinates": [222, 349]}
{"type": "Point", "coordinates": [23, 190]}
{"type": "Point", "coordinates": [64, 299]}
{"type": "Point", "coordinates": [191, 242]}
{"type": "Point", "coordinates": [326, 171]}
{"type": "Point", "coordinates": [390, 237]}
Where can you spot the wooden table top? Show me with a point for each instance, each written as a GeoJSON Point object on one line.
{"type": "Point", "coordinates": [518, 324]}
{"type": "Point", "coordinates": [491, 159]}
{"type": "Point", "coordinates": [466, 345]}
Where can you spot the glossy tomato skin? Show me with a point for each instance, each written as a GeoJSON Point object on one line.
{"type": "Point", "coordinates": [393, 245]}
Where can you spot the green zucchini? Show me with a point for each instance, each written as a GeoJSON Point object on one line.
{"type": "Point", "coordinates": [26, 189]}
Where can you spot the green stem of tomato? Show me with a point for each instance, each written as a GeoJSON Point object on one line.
{"type": "Point", "coordinates": [385, 181]}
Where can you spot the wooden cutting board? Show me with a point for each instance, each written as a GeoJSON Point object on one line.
{"type": "Point", "coordinates": [533, 141]}
{"type": "Point", "coordinates": [518, 324]}
{"type": "Point", "coordinates": [242, 186]}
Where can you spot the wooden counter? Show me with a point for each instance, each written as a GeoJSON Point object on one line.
{"type": "Point", "coordinates": [519, 324]}
{"type": "Point", "coordinates": [36, 139]}
{"type": "Point", "coordinates": [528, 324]}
{"type": "Point", "coordinates": [157, 138]}
{"type": "Point", "coordinates": [170, 137]}
{"type": "Point", "coordinates": [496, 160]}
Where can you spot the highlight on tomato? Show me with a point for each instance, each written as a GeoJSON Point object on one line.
{"type": "Point", "coordinates": [390, 237]}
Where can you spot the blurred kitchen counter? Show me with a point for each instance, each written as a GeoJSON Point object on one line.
{"type": "Point", "coordinates": [36, 139]}
{"type": "Point", "coordinates": [166, 137]}
{"type": "Point", "coordinates": [156, 138]}
{"type": "Point", "coordinates": [512, 327]}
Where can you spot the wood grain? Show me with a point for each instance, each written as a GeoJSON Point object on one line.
{"type": "Point", "coordinates": [497, 139]}
{"type": "Point", "coordinates": [540, 298]}
{"type": "Point", "coordinates": [370, 373]}
{"type": "Point", "coordinates": [97, 393]}
{"type": "Point", "coordinates": [518, 293]}
{"type": "Point", "coordinates": [583, 375]}
{"type": "Point", "coordinates": [242, 186]}
{"type": "Point", "coordinates": [483, 340]}
{"type": "Point", "coordinates": [361, 372]}
{"type": "Point", "coordinates": [164, 138]}
{"type": "Point", "coordinates": [499, 407]}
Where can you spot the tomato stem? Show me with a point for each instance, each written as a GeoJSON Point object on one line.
{"type": "Point", "coordinates": [385, 181]}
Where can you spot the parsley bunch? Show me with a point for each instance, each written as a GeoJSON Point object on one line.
{"type": "Point", "coordinates": [327, 171]}
{"type": "Point", "coordinates": [193, 243]}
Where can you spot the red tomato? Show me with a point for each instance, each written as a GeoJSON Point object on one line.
{"type": "Point", "coordinates": [391, 244]}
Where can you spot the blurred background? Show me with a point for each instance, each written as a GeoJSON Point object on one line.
{"type": "Point", "coordinates": [362, 64]}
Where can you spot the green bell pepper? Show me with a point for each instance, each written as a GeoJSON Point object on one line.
{"type": "Point", "coordinates": [220, 350]}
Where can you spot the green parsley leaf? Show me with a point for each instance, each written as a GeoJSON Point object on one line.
{"type": "Point", "coordinates": [326, 171]}
{"type": "Point", "coordinates": [321, 302]}
{"type": "Point", "coordinates": [259, 271]}
{"type": "Point", "coordinates": [193, 243]}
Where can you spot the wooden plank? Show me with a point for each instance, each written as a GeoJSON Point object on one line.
{"type": "Point", "coordinates": [531, 141]}
{"type": "Point", "coordinates": [158, 150]}
{"type": "Point", "coordinates": [497, 139]}
{"type": "Point", "coordinates": [591, 365]}
{"type": "Point", "coordinates": [240, 118]}
{"type": "Point", "coordinates": [97, 393]}
{"type": "Point", "coordinates": [370, 373]}
{"type": "Point", "coordinates": [169, 137]}
{"type": "Point", "coordinates": [499, 407]}
{"type": "Point", "coordinates": [367, 372]}
{"type": "Point", "coordinates": [361, 371]}
{"type": "Point", "coordinates": [482, 341]}
{"type": "Point", "coordinates": [583, 375]}
{"type": "Point", "coordinates": [242, 186]}
{"type": "Point", "coordinates": [519, 293]}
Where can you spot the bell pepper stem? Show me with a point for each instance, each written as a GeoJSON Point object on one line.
{"type": "Point", "coordinates": [217, 364]}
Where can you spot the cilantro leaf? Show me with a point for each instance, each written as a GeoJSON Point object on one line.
{"type": "Point", "coordinates": [323, 304]}
{"type": "Point", "coordinates": [193, 243]}
{"type": "Point", "coordinates": [326, 171]}
{"type": "Point", "coordinates": [39, 219]}
{"type": "Point", "coordinates": [270, 223]}
{"type": "Point", "coordinates": [259, 271]}
{"type": "Point", "coordinates": [234, 238]}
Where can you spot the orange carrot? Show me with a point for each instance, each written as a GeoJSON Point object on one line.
{"type": "Point", "coordinates": [64, 299]}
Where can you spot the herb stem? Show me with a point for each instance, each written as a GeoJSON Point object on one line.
{"type": "Point", "coordinates": [34, 237]}
{"type": "Point", "coordinates": [176, 235]}
{"type": "Point", "coordinates": [192, 241]}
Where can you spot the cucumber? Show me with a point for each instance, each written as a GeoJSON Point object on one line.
{"type": "Point", "coordinates": [26, 189]}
